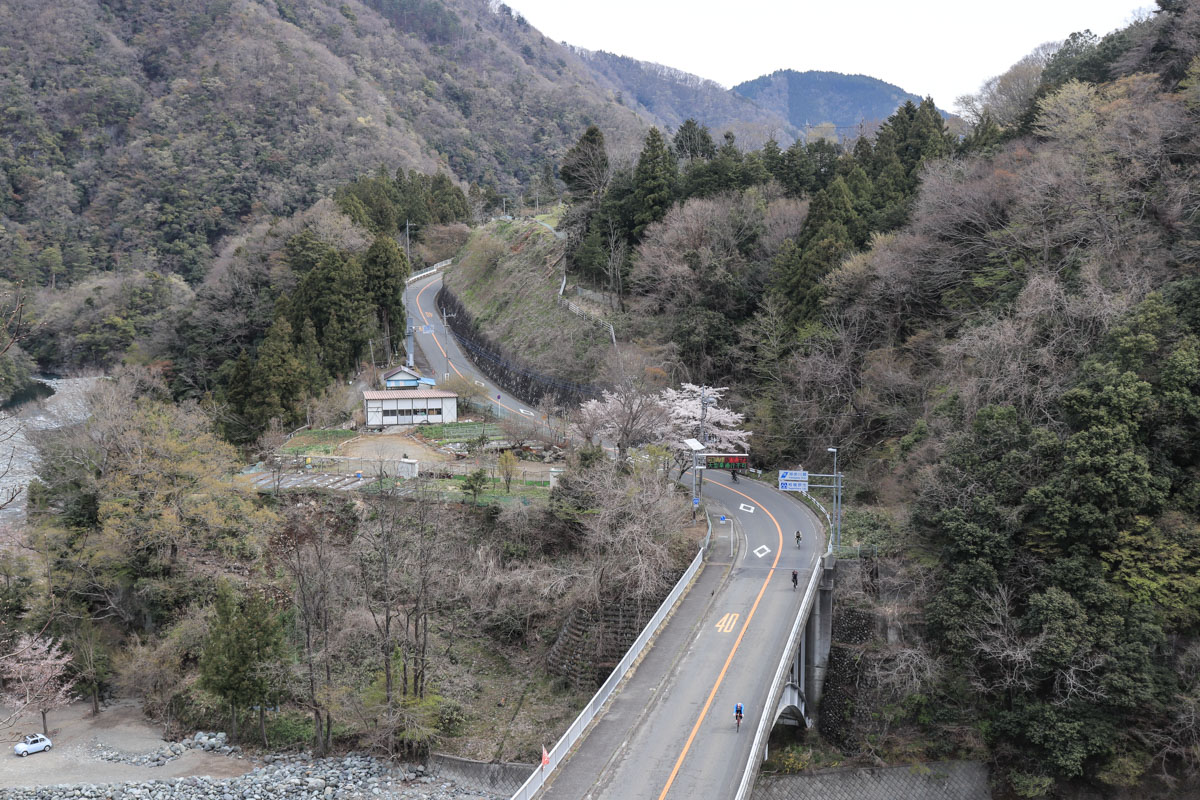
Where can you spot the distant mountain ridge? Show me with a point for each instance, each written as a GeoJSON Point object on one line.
{"type": "Point", "coordinates": [807, 99]}
{"type": "Point", "coordinates": [673, 96]}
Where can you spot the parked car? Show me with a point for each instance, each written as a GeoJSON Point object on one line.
{"type": "Point", "coordinates": [33, 743]}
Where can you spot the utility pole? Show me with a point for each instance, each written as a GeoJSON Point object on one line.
{"type": "Point", "coordinates": [407, 241]}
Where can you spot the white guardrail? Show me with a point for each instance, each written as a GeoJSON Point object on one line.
{"type": "Point", "coordinates": [436, 268]}
{"type": "Point", "coordinates": [767, 721]}
{"type": "Point", "coordinates": [592, 709]}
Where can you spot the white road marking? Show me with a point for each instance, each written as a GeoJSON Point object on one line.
{"type": "Point", "coordinates": [746, 508]}
{"type": "Point", "coordinates": [527, 412]}
{"type": "Point", "coordinates": [479, 383]}
{"type": "Point", "coordinates": [761, 550]}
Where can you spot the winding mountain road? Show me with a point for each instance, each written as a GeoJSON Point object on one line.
{"type": "Point", "coordinates": [682, 742]}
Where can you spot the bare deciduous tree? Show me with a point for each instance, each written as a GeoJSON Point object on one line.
{"type": "Point", "coordinates": [36, 677]}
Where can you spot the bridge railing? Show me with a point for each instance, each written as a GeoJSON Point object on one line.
{"type": "Point", "coordinates": [767, 721]}
{"type": "Point", "coordinates": [563, 746]}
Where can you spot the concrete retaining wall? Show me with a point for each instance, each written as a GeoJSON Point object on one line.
{"type": "Point", "coordinates": [499, 779]}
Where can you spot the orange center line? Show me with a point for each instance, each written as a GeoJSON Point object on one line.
{"type": "Point", "coordinates": [448, 361]}
{"type": "Point", "coordinates": [729, 660]}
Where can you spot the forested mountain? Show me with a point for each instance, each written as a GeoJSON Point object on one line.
{"type": "Point", "coordinates": [135, 134]}
{"type": "Point", "coordinates": [999, 332]}
{"type": "Point", "coordinates": [808, 99]}
{"type": "Point", "coordinates": [674, 96]}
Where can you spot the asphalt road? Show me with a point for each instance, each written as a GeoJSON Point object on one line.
{"type": "Point", "coordinates": [686, 745]}
{"type": "Point", "coordinates": [442, 353]}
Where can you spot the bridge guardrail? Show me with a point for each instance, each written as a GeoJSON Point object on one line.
{"type": "Point", "coordinates": [767, 720]}
{"type": "Point", "coordinates": [575, 732]}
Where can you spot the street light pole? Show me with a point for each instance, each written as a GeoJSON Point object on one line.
{"type": "Point", "coordinates": [837, 499]}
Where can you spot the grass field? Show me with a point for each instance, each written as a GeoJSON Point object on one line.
{"type": "Point", "coordinates": [319, 442]}
{"type": "Point", "coordinates": [462, 432]}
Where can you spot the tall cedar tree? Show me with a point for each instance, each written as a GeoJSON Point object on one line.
{"type": "Point", "coordinates": [585, 167]}
{"type": "Point", "coordinates": [385, 269]}
{"type": "Point", "coordinates": [243, 640]}
{"type": "Point", "coordinates": [693, 141]}
{"type": "Point", "coordinates": [654, 182]}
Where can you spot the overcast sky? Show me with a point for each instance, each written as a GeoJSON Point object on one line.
{"type": "Point", "coordinates": [944, 48]}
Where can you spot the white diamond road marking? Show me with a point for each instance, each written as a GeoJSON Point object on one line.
{"type": "Point", "coordinates": [479, 383]}
{"type": "Point", "coordinates": [746, 508]}
{"type": "Point", "coordinates": [527, 412]}
{"type": "Point", "coordinates": [761, 550]}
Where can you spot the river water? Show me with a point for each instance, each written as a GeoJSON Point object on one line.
{"type": "Point", "coordinates": [66, 406]}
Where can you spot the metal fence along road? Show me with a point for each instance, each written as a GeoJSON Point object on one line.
{"type": "Point", "coordinates": [579, 726]}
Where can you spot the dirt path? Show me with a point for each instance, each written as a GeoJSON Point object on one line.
{"type": "Point", "coordinates": [121, 727]}
{"type": "Point", "coordinates": [393, 446]}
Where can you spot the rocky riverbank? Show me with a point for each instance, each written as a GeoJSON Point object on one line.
{"type": "Point", "coordinates": [351, 777]}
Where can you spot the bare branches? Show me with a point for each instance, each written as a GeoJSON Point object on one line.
{"type": "Point", "coordinates": [1004, 657]}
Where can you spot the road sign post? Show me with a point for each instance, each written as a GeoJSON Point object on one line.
{"type": "Point", "coordinates": [793, 480]}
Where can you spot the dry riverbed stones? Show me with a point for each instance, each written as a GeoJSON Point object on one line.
{"type": "Point", "coordinates": [283, 777]}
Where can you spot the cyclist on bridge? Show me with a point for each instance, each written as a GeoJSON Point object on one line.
{"type": "Point", "coordinates": [737, 715]}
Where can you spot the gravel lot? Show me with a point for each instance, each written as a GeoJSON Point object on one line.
{"type": "Point", "coordinates": [77, 736]}
{"type": "Point", "coordinates": [73, 770]}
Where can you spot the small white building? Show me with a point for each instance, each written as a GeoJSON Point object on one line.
{"type": "Point", "coordinates": [386, 407]}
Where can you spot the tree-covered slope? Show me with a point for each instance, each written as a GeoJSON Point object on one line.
{"type": "Point", "coordinates": [807, 99]}
{"type": "Point", "coordinates": [136, 134]}
{"type": "Point", "coordinates": [674, 96]}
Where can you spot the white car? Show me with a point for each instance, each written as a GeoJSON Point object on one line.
{"type": "Point", "coordinates": [33, 743]}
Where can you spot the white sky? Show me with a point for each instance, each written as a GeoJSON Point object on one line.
{"type": "Point", "coordinates": [945, 48]}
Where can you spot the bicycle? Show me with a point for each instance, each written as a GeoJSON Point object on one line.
{"type": "Point", "coordinates": [799, 538]}
{"type": "Point", "coordinates": [737, 721]}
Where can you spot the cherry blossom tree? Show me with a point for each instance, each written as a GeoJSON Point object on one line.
{"type": "Point", "coordinates": [685, 407]}
{"type": "Point", "coordinates": [35, 677]}
{"type": "Point", "coordinates": [628, 415]}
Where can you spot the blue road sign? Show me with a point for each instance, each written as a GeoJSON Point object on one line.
{"type": "Point", "coordinates": [793, 474]}
{"type": "Point", "coordinates": [793, 486]}
{"type": "Point", "coordinates": [695, 501]}
{"type": "Point", "coordinates": [722, 518]}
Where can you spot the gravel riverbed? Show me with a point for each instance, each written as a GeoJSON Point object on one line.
{"type": "Point", "coordinates": [286, 778]}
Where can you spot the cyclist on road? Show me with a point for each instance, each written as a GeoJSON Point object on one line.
{"type": "Point", "coordinates": [737, 715]}
{"type": "Point", "coordinates": [798, 538]}
{"type": "Point", "coordinates": [733, 475]}
{"type": "Point", "coordinates": [795, 579]}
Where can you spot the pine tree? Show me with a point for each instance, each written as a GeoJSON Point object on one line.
{"type": "Point", "coordinates": [772, 158]}
{"type": "Point", "coordinates": [585, 167]}
{"type": "Point", "coordinates": [385, 269]}
{"type": "Point", "coordinates": [245, 637]}
{"type": "Point", "coordinates": [835, 204]}
{"type": "Point", "coordinates": [275, 383]}
{"type": "Point", "coordinates": [654, 182]}
{"type": "Point", "coordinates": [693, 141]}
{"type": "Point", "coordinates": [799, 271]}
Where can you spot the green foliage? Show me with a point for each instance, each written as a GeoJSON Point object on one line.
{"type": "Point", "coordinates": [654, 182]}
{"type": "Point", "coordinates": [476, 483]}
{"type": "Point", "coordinates": [244, 640]}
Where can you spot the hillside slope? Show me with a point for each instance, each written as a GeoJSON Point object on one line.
{"type": "Point", "coordinates": [137, 134]}
{"type": "Point", "coordinates": [673, 96]}
{"type": "Point", "coordinates": [507, 282]}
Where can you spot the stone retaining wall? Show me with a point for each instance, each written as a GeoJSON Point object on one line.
{"type": "Point", "coordinates": [946, 780]}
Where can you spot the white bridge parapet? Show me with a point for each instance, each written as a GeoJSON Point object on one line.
{"type": "Point", "coordinates": [797, 682]}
